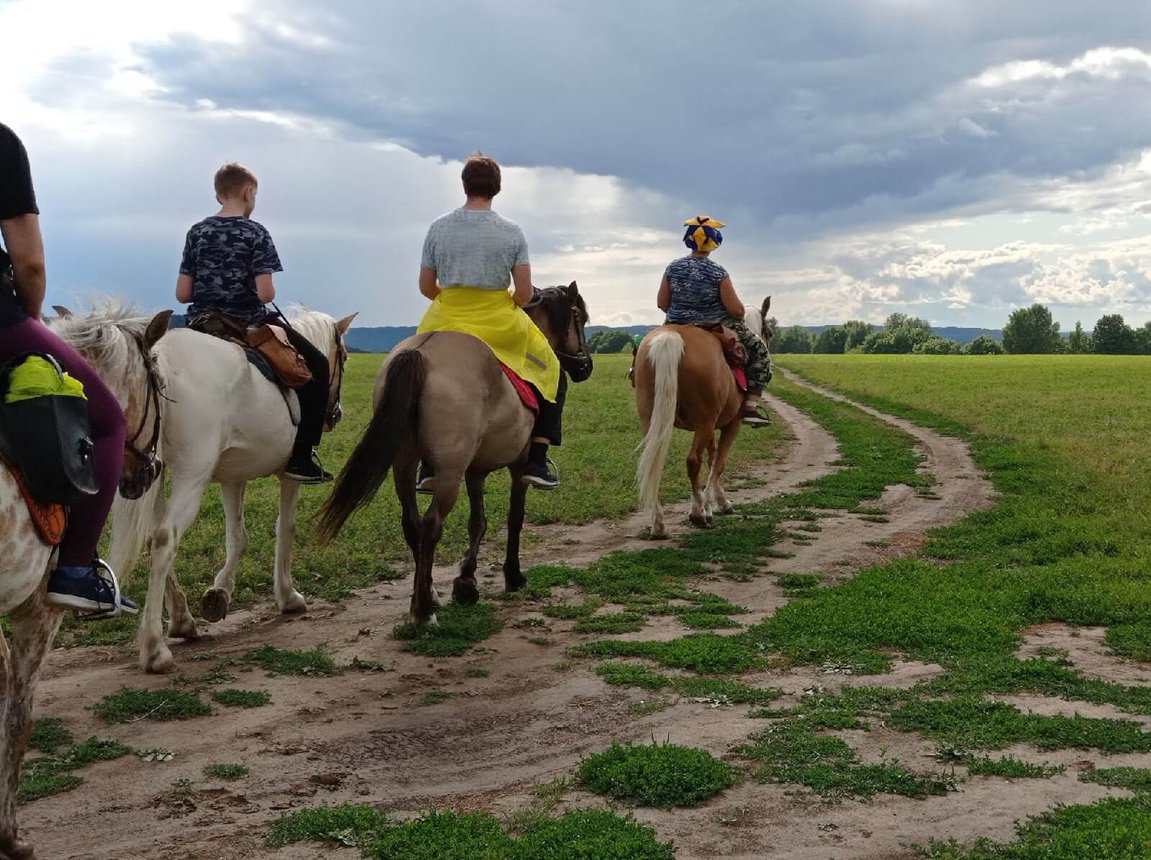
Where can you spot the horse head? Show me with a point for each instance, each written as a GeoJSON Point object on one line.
{"type": "Point", "coordinates": [119, 348]}
{"type": "Point", "coordinates": [561, 314]}
{"type": "Point", "coordinates": [756, 319]}
{"type": "Point", "coordinates": [327, 335]}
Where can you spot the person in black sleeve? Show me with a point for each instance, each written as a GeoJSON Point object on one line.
{"type": "Point", "coordinates": [80, 580]}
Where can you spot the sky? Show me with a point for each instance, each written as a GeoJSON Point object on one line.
{"type": "Point", "coordinates": [948, 159]}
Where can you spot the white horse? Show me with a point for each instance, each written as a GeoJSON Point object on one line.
{"type": "Point", "coordinates": [118, 347]}
{"type": "Point", "coordinates": [223, 422]}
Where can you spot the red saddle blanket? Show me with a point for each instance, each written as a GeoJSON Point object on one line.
{"type": "Point", "coordinates": [50, 519]}
{"type": "Point", "coordinates": [740, 378]}
{"type": "Point", "coordinates": [522, 389]}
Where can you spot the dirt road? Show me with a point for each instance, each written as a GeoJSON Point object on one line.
{"type": "Point", "coordinates": [366, 737]}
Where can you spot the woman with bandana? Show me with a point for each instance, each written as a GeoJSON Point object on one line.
{"type": "Point", "coordinates": [695, 290]}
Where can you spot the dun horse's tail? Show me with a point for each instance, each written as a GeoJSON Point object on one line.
{"type": "Point", "coordinates": [133, 522]}
{"type": "Point", "coordinates": [664, 353]}
{"type": "Point", "coordinates": [366, 469]}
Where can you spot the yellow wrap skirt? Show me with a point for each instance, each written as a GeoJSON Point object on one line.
{"type": "Point", "coordinates": [494, 318]}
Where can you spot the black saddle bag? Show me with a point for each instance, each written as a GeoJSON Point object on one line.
{"type": "Point", "coordinates": [50, 441]}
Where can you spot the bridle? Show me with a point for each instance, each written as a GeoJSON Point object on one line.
{"type": "Point", "coordinates": [335, 411]}
{"type": "Point", "coordinates": [577, 363]}
{"type": "Point", "coordinates": [152, 465]}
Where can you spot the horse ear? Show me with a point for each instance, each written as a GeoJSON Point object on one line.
{"type": "Point", "coordinates": [766, 306]}
{"type": "Point", "coordinates": [573, 290]}
{"type": "Point", "coordinates": [346, 323]}
{"type": "Point", "coordinates": [157, 328]}
{"type": "Point", "coordinates": [62, 312]}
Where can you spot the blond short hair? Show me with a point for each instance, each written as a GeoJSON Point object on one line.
{"type": "Point", "coordinates": [232, 179]}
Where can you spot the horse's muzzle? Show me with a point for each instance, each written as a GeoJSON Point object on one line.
{"type": "Point", "coordinates": [580, 369]}
{"type": "Point", "coordinates": [335, 414]}
{"type": "Point", "coordinates": [136, 485]}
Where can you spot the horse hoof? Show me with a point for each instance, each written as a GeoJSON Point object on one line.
{"type": "Point", "coordinates": [186, 629]}
{"type": "Point", "coordinates": [294, 604]}
{"type": "Point", "coordinates": [514, 581]}
{"type": "Point", "coordinates": [159, 664]}
{"type": "Point", "coordinates": [727, 508]}
{"type": "Point", "coordinates": [430, 621]}
{"type": "Point", "coordinates": [465, 591]}
{"type": "Point", "coordinates": [657, 534]}
{"type": "Point", "coordinates": [16, 848]}
{"type": "Point", "coordinates": [214, 604]}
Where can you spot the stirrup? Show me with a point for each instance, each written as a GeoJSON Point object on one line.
{"type": "Point", "coordinates": [105, 572]}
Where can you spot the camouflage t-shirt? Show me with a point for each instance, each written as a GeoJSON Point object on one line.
{"type": "Point", "coordinates": [223, 255]}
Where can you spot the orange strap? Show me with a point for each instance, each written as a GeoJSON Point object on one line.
{"type": "Point", "coordinates": [50, 519]}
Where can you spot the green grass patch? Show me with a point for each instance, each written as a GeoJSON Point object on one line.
{"type": "Point", "coordinates": [661, 775]}
{"type": "Point", "coordinates": [591, 834]}
{"type": "Point", "coordinates": [1011, 768]}
{"type": "Point", "coordinates": [434, 697]}
{"type": "Point", "coordinates": [615, 622]}
{"type": "Point", "coordinates": [48, 733]}
{"type": "Point", "coordinates": [282, 661]}
{"type": "Point", "coordinates": [342, 825]}
{"type": "Point", "coordinates": [241, 698]}
{"type": "Point", "coordinates": [705, 653]}
{"type": "Point", "coordinates": [1131, 640]}
{"type": "Point", "coordinates": [1133, 778]}
{"type": "Point", "coordinates": [443, 835]}
{"type": "Point", "coordinates": [227, 772]}
{"type": "Point", "coordinates": [53, 774]}
{"type": "Point", "coordinates": [131, 704]}
{"type": "Point", "coordinates": [1115, 828]}
{"type": "Point", "coordinates": [460, 628]}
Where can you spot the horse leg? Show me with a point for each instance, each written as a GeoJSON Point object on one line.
{"type": "Point", "coordinates": [514, 579]}
{"type": "Point", "coordinates": [183, 506]}
{"type": "Point", "coordinates": [424, 597]}
{"type": "Point", "coordinates": [181, 624]}
{"type": "Point", "coordinates": [700, 514]}
{"type": "Point", "coordinates": [464, 588]}
{"type": "Point", "coordinates": [214, 604]}
{"type": "Point", "coordinates": [719, 463]}
{"type": "Point", "coordinates": [33, 628]}
{"type": "Point", "coordinates": [287, 597]}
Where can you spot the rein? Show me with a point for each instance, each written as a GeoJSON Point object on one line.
{"type": "Point", "coordinates": [153, 465]}
{"type": "Point", "coordinates": [336, 411]}
{"type": "Point", "coordinates": [580, 359]}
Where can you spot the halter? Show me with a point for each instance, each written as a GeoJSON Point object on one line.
{"type": "Point", "coordinates": [336, 411]}
{"type": "Point", "coordinates": [153, 466]}
{"type": "Point", "coordinates": [574, 363]}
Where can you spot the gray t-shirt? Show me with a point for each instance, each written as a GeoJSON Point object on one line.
{"type": "Point", "coordinates": [474, 248]}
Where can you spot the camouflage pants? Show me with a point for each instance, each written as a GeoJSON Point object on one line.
{"type": "Point", "coordinates": [758, 366]}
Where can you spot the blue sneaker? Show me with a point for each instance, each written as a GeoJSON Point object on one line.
{"type": "Point", "coordinates": [424, 479]}
{"type": "Point", "coordinates": [92, 591]}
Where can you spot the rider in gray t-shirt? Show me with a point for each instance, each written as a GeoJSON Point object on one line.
{"type": "Point", "coordinates": [474, 248]}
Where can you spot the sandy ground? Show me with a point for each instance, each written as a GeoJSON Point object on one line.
{"type": "Point", "coordinates": [367, 738]}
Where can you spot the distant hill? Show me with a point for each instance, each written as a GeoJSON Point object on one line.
{"type": "Point", "coordinates": [383, 338]}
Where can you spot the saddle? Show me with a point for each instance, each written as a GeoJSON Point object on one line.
{"type": "Point", "coordinates": [267, 347]}
{"type": "Point", "coordinates": [45, 440]}
{"type": "Point", "coordinates": [734, 354]}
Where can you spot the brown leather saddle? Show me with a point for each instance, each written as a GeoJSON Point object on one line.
{"type": "Point", "coordinates": [266, 346]}
{"type": "Point", "coordinates": [733, 352]}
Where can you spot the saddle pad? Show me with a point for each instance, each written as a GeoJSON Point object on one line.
{"type": "Point", "coordinates": [740, 378]}
{"type": "Point", "coordinates": [49, 518]}
{"type": "Point", "coordinates": [522, 389]}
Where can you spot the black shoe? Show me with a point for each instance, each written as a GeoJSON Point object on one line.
{"type": "Point", "coordinates": [540, 476]}
{"type": "Point", "coordinates": [306, 468]}
{"type": "Point", "coordinates": [424, 479]}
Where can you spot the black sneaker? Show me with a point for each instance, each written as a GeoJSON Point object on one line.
{"type": "Point", "coordinates": [424, 479]}
{"type": "Point", "coordinates": [306, 469]}
{"type": "Point", "coordinates": [93, 592]}
{"type": "Point", "coordinates": [540, 476]}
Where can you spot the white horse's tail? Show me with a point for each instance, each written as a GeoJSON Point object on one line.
{"type": "Point", "coordinates": [133, 522]}
{"type": "Point", "coordinates": [664, 353]}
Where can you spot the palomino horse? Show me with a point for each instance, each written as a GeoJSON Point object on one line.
{"type": "Point", "coordinates": [118, 348]}
{"type": "Point", "coordinates": [442, 398]}
{"type": "Point", "coordinates": [224, 423]}
{"type": "Point", "coordinates": [682, 380]}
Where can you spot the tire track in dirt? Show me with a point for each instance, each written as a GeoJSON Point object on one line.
{"type": "Point", "coordinates": [366, 737]}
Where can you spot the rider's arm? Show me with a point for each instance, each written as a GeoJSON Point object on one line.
{"type": "Point", "coordinates": [731, 302]}
{"type": "Point", "coordinates": [663, 298]}
{"type": "Point", "coordinates": [25, 246]}
{"type": "Point", "coordinates": [184, 289]}
{"type": "Point", "coordinates": [265, 289]}
{"type": "Point", "coordinates": [522, 279]}
{"type": "Point", "coordinates": [428, 286]}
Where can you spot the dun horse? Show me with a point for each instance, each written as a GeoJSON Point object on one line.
{"type": "Point", "coordinates": [119, 348]}
{"type": "Point", "coordinates": [223, 423]}
{"type": "Point", "coordinates": [682, 380]}
{"type": "Point", "coordinates": [441, 397]}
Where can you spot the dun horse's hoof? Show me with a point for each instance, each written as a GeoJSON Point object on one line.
{"type": "Point", "coordinates": [465, 591]}
{"type": "Point", "coordinates": [430, 621]}
{"type": "Point", "coordinates": [214, 604]}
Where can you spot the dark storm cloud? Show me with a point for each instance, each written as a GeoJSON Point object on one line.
{"type": "Point", "coordinates": [822, 113]}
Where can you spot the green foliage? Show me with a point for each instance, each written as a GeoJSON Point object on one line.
{"type": "Point", "coordinates": [1011, 768]}
{"type": "Point", "coordinates": [984, 344]}
{"type": "Point", "coordinates": [706, 653]}
{"type": "Point", "coordinates": [1031, 330]}
{"type": "Point", "coordinates": [282, 661]}
{"type": "Point", "coordinates": [132, 704]}
{"type": "Point", "coordinates": [443, 836]}
{"type": "Point", "coordinates": [1078, 342]}
{"type": "Point", "coordinates": [1132, 778]}
{"type": "Point", "coordinates": [610, 342]}
{"type": "Point", "coordinates": [660, 775]}
{"type": "Point", "coordinates": [345, 825]}
{"type": "Point", "coordinates": [1112, 336]}
{"type": "Point", "coordinates": [460, 627]}
{"type": "Point", "coordinates": [48, 733]}
{"type": "Point", "coordinates": [616, 622]}
{"type": "Point", "coordinates": [241, 698]}
{"type": "Point", "coordinates": [1118, 829]}
{"type": "Point", "coordinates": [832, 340]}
{"type": "Point", "coordinates": [591, 834]}
{"type": "Point", "coordinates": [794, 338]}
{"type": "Point", "coordinates": [936, 345]}
{"type": "Point", "coordinates": [227, 772]}
{"type": "Point", "coordinates": [53, 774]}
{"type": "Point", "coordinates": [1131, 640]}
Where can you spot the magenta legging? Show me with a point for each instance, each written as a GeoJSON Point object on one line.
{"type": "Point", "coordinates": [86, 520]}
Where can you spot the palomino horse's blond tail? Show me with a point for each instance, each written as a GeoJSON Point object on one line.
{"type": "Point", "coordinates": [664, 353]}
{"type": "Point", "coordinates": [133, 522]}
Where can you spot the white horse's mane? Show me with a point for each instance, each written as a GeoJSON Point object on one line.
{"type": "Point", "coordinates": [316, 326]}
{"type": "Point", "coordinates": [753, 320]}
{"type": "Point", "coordinates": [101, 332]}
